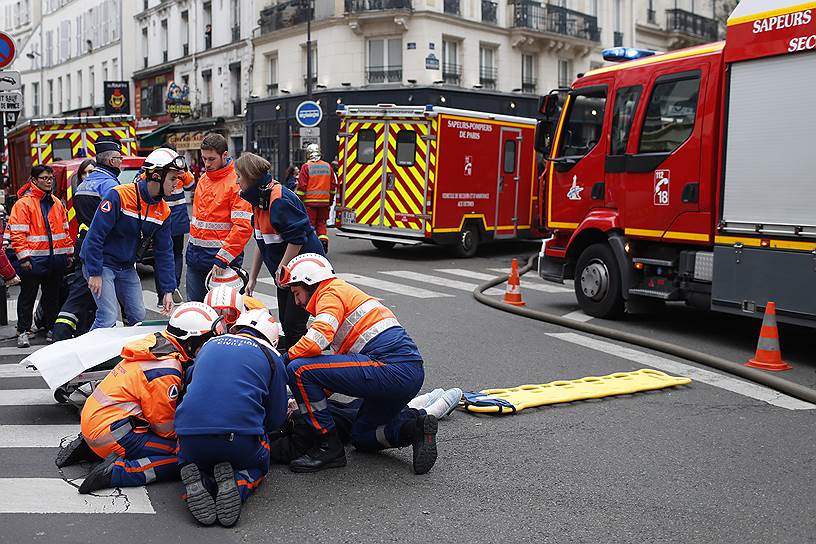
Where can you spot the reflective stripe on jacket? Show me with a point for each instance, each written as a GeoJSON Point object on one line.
{"type": "Point", "coordinates": [317, 184]}
{"type": "Point", "coordinates": [350, 321]}
{"type": "Point", "coordinates": [47, 244]}
{"type": "Point", "coordinates": [143, 388]}
{"type": "Point", "coordinates": [221, 223]}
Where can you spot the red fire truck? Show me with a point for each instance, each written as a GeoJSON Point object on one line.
{"type": "Point", "coordinates": [410, 175]}
{"type": "Point", "coordinates": [690, 175]}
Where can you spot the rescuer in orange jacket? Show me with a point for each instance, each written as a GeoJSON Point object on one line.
{"type": "Point", "coordinates": [375, 360]}
{"type": "Point", "coordinates": [128, 420]}
{"type": "Point", "coordinates": [39, 233]}
{"type": "Point", "coordinates": [222, 222]}
{"type": "Point", "coordinates": [317, 184]}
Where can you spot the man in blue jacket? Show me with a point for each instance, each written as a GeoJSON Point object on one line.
{"type": "Point", "coordinates": [235, 395]}
{"type": "Point", "coordinates": [130, 218]}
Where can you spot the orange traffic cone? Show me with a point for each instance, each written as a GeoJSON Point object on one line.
{"type": "Point", "coordinates": [512, 295]}
{"type": "Point", "coordinates": [768, 356]}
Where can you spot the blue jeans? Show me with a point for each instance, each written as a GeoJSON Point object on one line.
{"type": "Point", "coordinates": [118, 285]}
{"type": "Point", "coordinates": [196, 284]}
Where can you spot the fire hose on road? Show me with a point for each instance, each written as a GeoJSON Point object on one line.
{"type": "Point", "coordinates": [774, 382]}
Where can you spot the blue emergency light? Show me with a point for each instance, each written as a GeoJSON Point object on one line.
{"type": "Point", "coordinates": [621, 54]}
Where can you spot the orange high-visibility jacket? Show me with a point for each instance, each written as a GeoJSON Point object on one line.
{"type": "Point", "coordinates": [222, 222]}
{"type": "Point", "coordinates": [35, 240]}
{"type": "Point", "coordinates": [345, 319]}
{"type": "Point", "coordinates": [143, 387]}
{"type": "Point", "coordinates": [317, 184]}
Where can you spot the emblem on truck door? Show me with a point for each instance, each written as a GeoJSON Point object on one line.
{"type": "Point", "coordinates": [574, 192]}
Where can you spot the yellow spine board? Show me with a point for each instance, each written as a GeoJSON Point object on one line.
{"type": "Point", "coordinates": [592, 387]}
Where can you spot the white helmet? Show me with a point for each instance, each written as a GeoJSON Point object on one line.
{"type": "Point", "coordinates": [261, 321]}
{"type": "Point", "coordinates": [228, 277]}
{"type": "Point", "coordinates": [309, 269]}
{"type": "Point", "coordinates": [313, 152]}
{"type": "Point", "coordinates": [226, 301]}
{"type": "Point", "coordinates": [193, 319]}
{"type": "Point", "coordinates": [163, 158]}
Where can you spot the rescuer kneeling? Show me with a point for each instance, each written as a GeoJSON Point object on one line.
{"type": "Point", "coordinates": [375, 360]}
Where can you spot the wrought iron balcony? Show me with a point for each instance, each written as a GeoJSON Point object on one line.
{"type": "Point", "coordinates": [488, 76]}
{"type": "Point", "coordinates": [617, 39]}
{"type": "Point", "coordinates": [528, 85]}
{"type": "Point", "coordinates": [686, 22]}
{"type": "Point", "coordinates": [451, 73]}
{"type": "Point", "coordinates": [383, 74]}
{"type": "Point", "coordinates": [489, 11]}
{"type": "Point", "coordinates": [362, 6]}
{"type": "Point", "coordinates": [557, 20]}
{"type": "Point", "coordinates": [452, 7]}
{"type": "Point", "coordinates": [281, 16]}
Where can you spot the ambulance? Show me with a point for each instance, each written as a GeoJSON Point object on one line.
{"type": "Point", "coordinates": [413, 175]}
{"type": "Point", "coordinates": [690, 176]}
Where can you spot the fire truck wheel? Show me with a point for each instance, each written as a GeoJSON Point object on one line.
{"type": "Point", "coordinates": [382, 245]}
{"type": "Point", "coordinates": [597, 282]}
{"type": "Point", "coordinates": [468, 242]}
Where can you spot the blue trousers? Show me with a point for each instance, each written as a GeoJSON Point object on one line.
{"type": "Point", "coordinates": [147, 457]}
{"type": "Point", "coordinates": [248, 455]}
{"type": "Point", "coordinates": [196, 286]}
{"type": "Point", "coordinates": [118, 286]}
{"type": "Point", "coordinates": [384, 388]}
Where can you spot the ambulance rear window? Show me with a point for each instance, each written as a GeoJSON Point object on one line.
{"type": "Point", "coordinates": [366, 142]}
{"type": "Point", "coordinates": [509, 157]}
{"type": "Point", "coordinates": [670, 114]}
{"type": "Point", "coordinates": [406, 147]}
{"type": "Point", "coordinates": [61, 149]}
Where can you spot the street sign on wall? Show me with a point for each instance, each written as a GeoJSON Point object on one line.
{"type": "Point", "coordinates": [11, 101]}
{"type": "Point", "coordinates": [8, 50]}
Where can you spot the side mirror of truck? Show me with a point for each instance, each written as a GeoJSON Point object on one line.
{"type": "Point", "coordinates": [543, 137]}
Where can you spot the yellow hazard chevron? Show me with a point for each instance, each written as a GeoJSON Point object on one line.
{"type": "Point", "coordinates": [592, 387]}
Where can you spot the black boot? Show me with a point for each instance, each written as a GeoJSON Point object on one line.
{"type": "Point", "coordinates": [100, 476]}
{"type": "Point", "coordinates": [325, 246]}
{"type": "Point", "coordinates": [424, 443]}
{"type": "Point", "coordinates": [328, 452]}
{"type": "Point", "coordinates": [198, 498]}
{"type": "Point", "coordinates": [77, 450]}
{"type": "Point", "coordinates": [228, 498]}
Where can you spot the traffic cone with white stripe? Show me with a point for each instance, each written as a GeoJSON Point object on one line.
{"type": "Point", "coordinates": [512, 294]}
{"type": "Point", "coordinates": [768, 355]}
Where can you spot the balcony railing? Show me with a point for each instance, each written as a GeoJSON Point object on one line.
{"type": "Point", "coordinates": [488, 76]}
{"type": "Point", "coordinates": [360, 6]}
{"type": "Point", "coordinates": [185, 48]}
{"type": "Point", "coordinates": [383, 74]}
{"type": "Point", "coordinates": [281, 16]}
{"type": "Point", "coordinates": [686, 22]}
{"type": "Point", "coordinates": [617, 39]}
{"type": "Point", "coordinates": [555, 19]}
{"type": "Point", "coordinates": [272, 89]}
{"type": "Point", "coordinates": [451, 73]}
{"type": "Point", "coordinates": [452, 7]}
{"type": "Point", "coordinates": [206, 109]}
{"type": "Point", "coordinates": [651, 16]}
{"type": "Point", "coordinates": [528, 85]}
{"type": "Point", "coordinates": [489, 12]}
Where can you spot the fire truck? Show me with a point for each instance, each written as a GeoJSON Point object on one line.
{"type": "Point", "coordinates": [691, 175]}
{"type": "Point", "coordinates": [47, 140]}
{"type": "Point", "coordinates": [413, 175]}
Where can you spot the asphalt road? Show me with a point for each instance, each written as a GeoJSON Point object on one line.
{"type": "Point", "coordinates": [710, 461]}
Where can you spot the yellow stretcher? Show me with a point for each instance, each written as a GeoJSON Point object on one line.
{"type": "Point", "coordinates": [514, 399]}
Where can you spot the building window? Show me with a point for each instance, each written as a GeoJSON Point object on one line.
{"type": "Point", "coordinates": [104, 70]}
{"type": "Point", "coordinates": [488, 72]}
{"type": "Point", "coordinates": [80, 90]}
{"type": "Point", "coordinates": [151, 97]}
{"type": "Point", "coordinates": [451, 68]}
{"type": "Point", "coordinates": [314, 63]}
{"type": "Point", "coordinates": [59, 95]}
{"type": "Point", "coordinates": [564, 72]}
{"type": "Point", "coordinates": [144, 47]}
{"type": "Point", "coordinates": [50, 97]}
{"type": "Point", "coordinates": [384, 61]}
{"type": "Point", "coordinates": [206, 93]}
{"type": "Point", "coordinates": [235, 20]}
{"type": "Point", "coordinates": [163, 39]}
{"type": "Point", "coordinates": [93, 85]}
{"type": "Point", "coordinates": [272, 86]}
{"type": "Point", "coordinates": [185, 33]}
{"type": "Point", "coordinates": [207, 25]}
{"type": "Point", "coordinates": [35, 99]}
{"type": "Point", "coordinates": [115, 69]}
{"type": "Point", "coordinates": [68, 91]}
{"type": "Point", "coordinates": [528, 76]}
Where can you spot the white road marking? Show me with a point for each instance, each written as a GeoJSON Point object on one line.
{"type": "Point", "coordinates": [35, 436]}
{"type": "Point", "coordinates": [722, 381]}
{"type": "Point", "coordinates": [271, 302]}
{"type": "Point", "coordinates": [484, 277]}
{"type": "Point", "coordinates": [150, 300]}
{"type": "Point", "coordinates": [55, 496]}
{"type": "Point", "coordinates": [26, 397]}
{"type": "Point", "coordinates": [11, 305]}
{"type": "Point", "coordinates": [439, 281]}
{"type": "Point", "coordinates": [578, 315]}
{"type": "Point", "coordinates": [391, 287]}
{"type": "Point", "coordinates": [17, 371]}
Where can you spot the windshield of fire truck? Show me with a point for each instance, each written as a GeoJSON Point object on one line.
{"type": "Point", "coordinates": [583, 125]}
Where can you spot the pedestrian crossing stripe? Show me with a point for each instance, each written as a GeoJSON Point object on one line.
{"type": "Point", "coordinates": [26, 397]}
{"type": "Point", "coordinates": [438, 280]}
{"type": "Point", "coordinates": [36, 436]}
{"type": "Point", "coordinates": [56, 496]}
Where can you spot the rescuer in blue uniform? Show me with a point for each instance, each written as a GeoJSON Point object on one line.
{"type": "Point", "coordinates": [236, 394]}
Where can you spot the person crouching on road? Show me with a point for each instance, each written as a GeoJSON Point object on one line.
{"type": "Point", "coordinates": [282, 231]}
{"type": "Point", "coordinates": [127, 220]}
{"type": "Point", "coordinates": [376, 361]}
{"type": "Point", "coordinates": [235, 395]}
{"type": "Point", "coordinates": [128, 420]}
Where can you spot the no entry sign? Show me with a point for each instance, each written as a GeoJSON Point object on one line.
{"type": "Point", "coordinates": [7, 50]}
